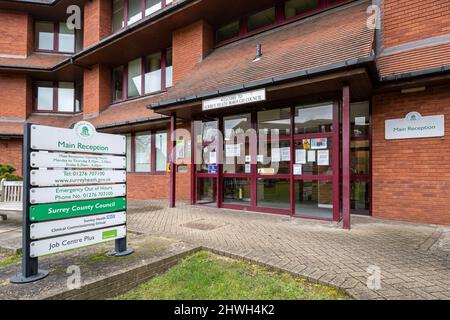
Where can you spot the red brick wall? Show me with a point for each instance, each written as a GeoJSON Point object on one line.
{"type": "Point", "coordinates": [15, 97]}
{"type": "Point", "coordinates": [410, 20]}
{"type": "Point", "coordinates": [96, 89]}
{"type": "Point", "coordinates": [97, 21]}
{"type": "Point", "coordinates": [11, 153]}
{"type": "Point", "coordinates": [190, 45]}
{"type": "Point", "coordinates": [146, 186]}
{"type": "Point", "coordinates": [15, 35]}
{"type": "Point", "coordinates": [411, 178]}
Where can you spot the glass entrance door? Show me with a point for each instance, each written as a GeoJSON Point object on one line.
{"type": "Point", "coordinates": [237, 167]}
{"type": "Point", "coordinates": [207, 162]}
{"type": "Point", "coordinates": [316, 163]}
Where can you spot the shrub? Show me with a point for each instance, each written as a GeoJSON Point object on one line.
{"type": "Point", "coordinates": [7, 172]}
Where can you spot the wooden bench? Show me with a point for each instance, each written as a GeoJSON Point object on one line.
{"type": "Point", "coordinates": [10, 196]}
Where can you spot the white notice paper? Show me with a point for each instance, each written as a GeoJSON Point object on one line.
{"type": "Point", "coordinates": [360, 121]}
{"type": "Point", "coordinates": [297, 169]}
{"type": "Point", "coordinates": [286, 154]}
{"type": "Point", "coordinates": [212, 157]}
{"type": "Point", "coordinates": [323, 158]}
{"type": "Point", "coordinates": [276, 155]}
{"type": "Point", "coordinates": [300, 156]}
{"type": "Point", "coordinates": [311, 155]}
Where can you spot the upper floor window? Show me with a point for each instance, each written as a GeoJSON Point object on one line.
{"type": "Point", "coordinates": [144, 75]}
{"type": "Point", "coordinates": [59, 96]}
{"type": "Point", "coordinates": [126, 12]}
{"type": "Point", "coordinates": [269, 17]}
{"type": "Point", "coordinates": [54, 37]}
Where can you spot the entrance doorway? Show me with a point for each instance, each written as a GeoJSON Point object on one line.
{"type": "Point", "coordinates": [283, 161]}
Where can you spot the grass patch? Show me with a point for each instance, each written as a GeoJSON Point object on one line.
{"type": "Point", "coordinates": [10, 259]}
{"type": "Point", "coordinates": [205, 276]}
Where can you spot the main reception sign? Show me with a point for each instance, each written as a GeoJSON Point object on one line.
{"type": "Point", "coordinates": [414, 125]}
{"type": "Point", "coordinates": [74, 192]}
{"type": "Point", "coordinates": [83, 138]}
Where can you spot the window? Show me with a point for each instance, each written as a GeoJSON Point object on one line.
{"type": "Point", "coordinates": [45, 36]}
{"type": "Point", "coordinates": [66, 38]}
{"type": "Point", "coordinates": [118, 83]}
{"type": "Point", "coordinates": [45, 96]}
{"type": "Point", "coordinates": [275, 15]}
{"type": "Point", "coordinates": [66, 97]}
{"type": "Point", "coordinates": [169, 68]}
{"type": "Point", "coordinates": [58, 96]}
{"type": "Point", "coordinates": [118, 21]}
{"type": "Point", "coordinates": [152, 73]}
{"type": "Point", "coordinates": [135, 11]}
{"type": "Point", "coordinates": [143, 76]}
{"type": "Point", "coordinates": [228, 31]}
{"type": "Point", "coordinates": [294, 8]}
{"type": "Point", "coordinates": [134, 78]}
{"type": "Point", "coordinates": [161, 151]}
{"type": "Point", "coordinates": [261, 19]}
{"type": "Point", "coordinates": [142, 152]}
{"type": "Point", "coordinates": [147, 152]}
{"type": "Point", "coordinates": [152, 6]}
{"type": "Point", "coordinates": [54, 37]}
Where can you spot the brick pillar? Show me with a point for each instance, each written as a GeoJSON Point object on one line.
{"type": "Point", "coordinates": [97, 21]}
{"type": "Point", "coordinates": [16, 34]}
{"type": "Point", "coordinates": [191, 45]}
{"type": "Point", "coordinates": [15, 100]}
{"type": "Point", "coordinates": [96, 89]}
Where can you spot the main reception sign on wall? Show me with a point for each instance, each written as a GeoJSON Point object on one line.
{"type": "Point", "coordinates": [414, 125]}
{"type": "Point", "coordinates": [74, 193]}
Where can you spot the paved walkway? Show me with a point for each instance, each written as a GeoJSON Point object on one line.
{"type": "Point", "coordinates": [413, 259]}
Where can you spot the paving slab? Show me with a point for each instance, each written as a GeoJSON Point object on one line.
{"type": "Point", "coordinates": [412, 259]}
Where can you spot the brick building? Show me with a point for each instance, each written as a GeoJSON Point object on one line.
{"type": "Point", "coordinates": [317, 74]}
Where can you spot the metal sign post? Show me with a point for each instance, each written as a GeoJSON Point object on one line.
{"type": "Point", "coordinates": [30, 268]}
{"type": "Point", "coordinates": [88, 190]}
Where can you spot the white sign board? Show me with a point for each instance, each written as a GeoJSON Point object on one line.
{"type": "Point", "coordinates": [44, 159]}
{"type": "Point", "coordinates": [48, 246]}
{"type": "Point", "coordinates": [414, 125]}
{"type": "Point", "coordinates": [61, 194]}
{"type": "Point", "coordinates": [82, 138]}
{"type": "Point", "coordinates": [46, 178]}
{"type": "Point", "coordinates": [234, 100]}
{"type": "Point", "coordinates": [65, 226]}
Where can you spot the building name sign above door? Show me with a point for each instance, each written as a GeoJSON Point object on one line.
{"type": "Point", "coordinates": [234, 100]}
{"type": "Point", "coordinates": [414, 126]}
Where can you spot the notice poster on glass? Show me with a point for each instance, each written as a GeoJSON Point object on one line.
{"type": "Point", "coordinates": [286, 154]}
{"type": "Point", "coordinates": [300, 156]}
{"type": "Point", "coordinates": [212, 157]}
{"type": "Point", "coordinates": [233, 150]}
{"type": "Point", "coordinates": [276, 155]}
{"type": "Point", "coordinates": [248, 168]}
{"type": "Point", "coordinates": [311, 156]}
{"type": "Point", "coordinates": [248, 158]}
{"type": "Point", "coordinates": [323, 158]}
{"type": "Point", "coordinates": [260, 158]}
{"type": "Point", "coordinates": [306, 144]}
{"type": "Point", "coordinates": [180, 149]}
{"type": "Point", "coordinates": [319, 143]}
{"type": "Point", "coordinates": [297, 169]}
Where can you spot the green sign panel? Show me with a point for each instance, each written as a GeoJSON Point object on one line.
{"type": "Point", "coordinates": [62, 210]}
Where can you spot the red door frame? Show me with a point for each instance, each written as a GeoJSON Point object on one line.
{"type": "Point", "coordinates": [254, 176]}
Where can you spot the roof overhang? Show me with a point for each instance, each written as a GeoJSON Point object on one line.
{"type": "Point", "coordinates": [322, 82]}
